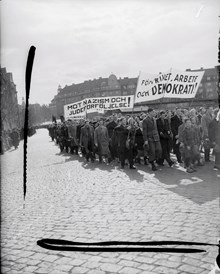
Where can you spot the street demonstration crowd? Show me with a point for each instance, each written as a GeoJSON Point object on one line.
{"type": "Point", "coordinates": [11, 138]}
{"type": "Point", "coordinates": [148, 138]}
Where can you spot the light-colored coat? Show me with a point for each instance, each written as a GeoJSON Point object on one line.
{"type": "Point", "coordinates": [205, 121]}
{"type": "Point", "coordinates": [101, 139]}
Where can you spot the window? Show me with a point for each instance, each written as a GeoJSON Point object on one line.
{"type": "Point", "coordinates": [208, 78]}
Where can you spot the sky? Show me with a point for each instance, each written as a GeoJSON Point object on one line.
{"type": "Point", "coordinates": [78, 40]}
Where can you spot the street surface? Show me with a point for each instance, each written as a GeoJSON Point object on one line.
{"type": "Point", "coordinates": [70, 199]}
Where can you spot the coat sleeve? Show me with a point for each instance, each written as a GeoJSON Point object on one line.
{"type": "Point", "coordinates": [75, 134]}
{"type": "Point", "coordinates": [180, 134]}
{"type": "Point", "coordinates": [159, 126]}
{"type": "Point", "coordinates": [70, 132]}
{"type": "Point", "coordinates": [81, 134]}
{"type": "Point", "coordinates": [114, 137]}
{"type": "Point", "coordinates": [144, 125]}
{"type": "Point", "coordinates": [106, 133]}
{"type": "Point", "coordinates": [96, 136]}
{"type": "Point", "coordinates": [211, 132]}
{"type": "Point", "coordinates": [204, 127]}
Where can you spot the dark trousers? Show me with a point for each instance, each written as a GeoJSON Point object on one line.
{"type": "Point", "coordinates": [154, 150]}
{"type": "Point", "coordinates": [188, 157]}
{"type": "Point", "coordinates": [113, 152]}
{"type": "Point", "coordinates": [217, 159]}
{"type": "Point", "coordinates": [74, 149]}
{"type": "Point", "coordinates": [176, 150]}
{"type": "Point", "coordinates": [165, 151]}
{"type": "Point", "coordinates": [207, 154]}
{"type": "Point", "coordinates": [126, 154]}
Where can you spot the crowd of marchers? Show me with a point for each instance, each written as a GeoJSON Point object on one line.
{"type": "Point", "coordinates": [11, 138]}
{"type": "Point", "coordinates": [190, 136]}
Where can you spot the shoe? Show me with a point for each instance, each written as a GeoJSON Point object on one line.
{"type": "Point", "coordinates": [180, 161]}
{"type": "Point", "coordinates": [216, 168]}
{"type": "Point", "coordinates": [189, 170]}
{"type": "Point", "coordinates": [138, 160]}
{"type": "Point", "coordinates": [171, 163]}
{"type": "Point", "coordinates": [193, 168]}
{"type": "Point", "coordinates": [132, 167]}
{"type": "Point", "coordinates": [154, 168]}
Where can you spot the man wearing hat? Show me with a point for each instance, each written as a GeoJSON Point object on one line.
{"type": "Point", "coordinates": [101, 140]}
{"type": "Point", "coordinates": [151, 138]}
{"type": "Point", "coordinates": [214, 136]}
{"type": "Point", "coordinates": [165, 135]}
{"type": "Point", "coordinates": [176, 121]}
{"type": "Point", "coordinates": [87, 141]}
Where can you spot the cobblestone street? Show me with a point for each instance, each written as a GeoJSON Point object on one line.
{"type": "Point", "coordinates": [70, 199]}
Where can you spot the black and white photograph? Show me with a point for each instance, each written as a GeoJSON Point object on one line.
{"type": "Point", "coordinates": [110, 137]}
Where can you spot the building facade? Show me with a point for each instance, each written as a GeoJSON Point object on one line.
{"type": "Point", "coordinates": [10, 115]}
{"type": "Point", "coordinates": [112, 86]}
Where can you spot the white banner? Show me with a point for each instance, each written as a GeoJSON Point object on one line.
{"type": "Point", "coordinates": [173, 84]}
{"type": "Point", "coordinates": [99, 104]}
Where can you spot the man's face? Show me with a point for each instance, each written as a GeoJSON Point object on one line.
{"type": "Point", "coordinates": [124, 122]}
{"type": "Point", "coordinates": [152, 113]}
{"type": "Point", "coordinates": [101, 122]}
{"type": "Point", "coordinates": [163, 115]}
{"type": "Point", "coordinates": [210, 110]}
{"type": "Point", "coordinates": [193, 120]}
{"type": "Point", "coordinates": [179, 112]}
{"type": "Point", "coordinates": [188, 123]}
{"type": "Point", "coordinates": [115, 118]}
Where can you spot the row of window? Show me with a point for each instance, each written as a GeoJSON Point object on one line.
{"type": "Point", "coordinates": [208, 78]}
{"type": "Point", "coordinates": [107, 88]}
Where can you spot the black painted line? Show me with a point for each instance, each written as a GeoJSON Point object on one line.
{"type": "Point", "coordinates": [28, 72]}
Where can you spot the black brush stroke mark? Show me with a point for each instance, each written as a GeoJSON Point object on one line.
{"type": "Point", "coordinates": [63, 245]}
{"type": "Point", "coordinates": [28, 72]}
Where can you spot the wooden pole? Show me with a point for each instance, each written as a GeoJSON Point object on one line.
{"type": "Point", "coordinates": [161, 100]}
{"type": "Point", "coordinates": [136, 91]}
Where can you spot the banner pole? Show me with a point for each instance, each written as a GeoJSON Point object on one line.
{"type": "Point", "coordinates": [136, 91]}
{"type": "Point", "coordinates": [161, 100]}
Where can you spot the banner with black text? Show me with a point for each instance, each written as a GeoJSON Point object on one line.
{"type": "Point", "coordinates": [173, 84]}
{"type": "Point", "coordinates": [99, 104]}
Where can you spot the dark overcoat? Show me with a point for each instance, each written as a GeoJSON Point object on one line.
{"type": "Point", "coordinates": [150, 132]}
{"type": "Point", "coordinates": [87, 138]}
